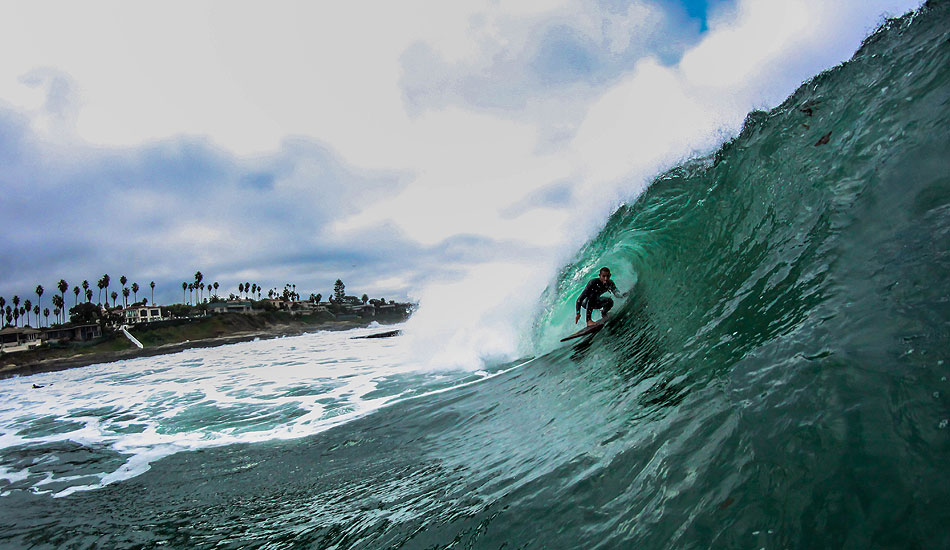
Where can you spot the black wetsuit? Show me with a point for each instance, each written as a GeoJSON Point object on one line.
{"type": "Point", "coordinates": [591, 297]}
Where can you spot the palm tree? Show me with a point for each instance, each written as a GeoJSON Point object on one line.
{"type": "Point", "coordinates": [114, 296]}
{"type": "Point", "coordinates": [105, 286]}
{"type": "Point", "coordinates": [63, 286]}
{"type": "Point", "coordinates": [88, 295]}
{"type": "Point", "coordinates": [101, 284]}
{"type": "Point", "coordinates": [9, 315]}
{"type": "Point", "coordinates": [28, 306]}
{"type": "Point", "coordinates": [319, 296]}
{"type": "Point", "coordinates": [152, 284]}
{"type": "Point", "coordinates": [123, 279]}
{"type": "Point", "coordinates": [46, 314]}
{"type": "Point", "coordinates": [215, 285]}
{"type": "Point", "coordinates": [135, 292]}
{"type": "Point", "coordinates": [198, 278]}
{"type": "Point", "coordinates": [3, 302]}
{"type": "Point", "coordinates": [57, 304]}
{"type": "Point", "coordinates": [39, 294]}
{"type": "Point", "coordinates": [76, 292]}
{"type": "Point", "coordinates": [184, 287]}
{"type": "Point", "coordinates": [16, 308]}
{"type": "Point", "coordinates": [240, 289]}
{"type": "Point", "coordinates": [191, 292]}
{"type": "Point", "coordinates": [16, 316]}
{"type": "Point", "coordinates": [56, 313]}
{"type": "Point", "coordinates": [85, 286]}
{"type": "Point", "coordinates": [125, 296]}
{"type": "Point", "coordinates": [36, 311]}
{"type": "Point", "coordinates": [202, 285]}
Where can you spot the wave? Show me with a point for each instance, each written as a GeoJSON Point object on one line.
{"type": "Point", "coordinates": [777, 377]}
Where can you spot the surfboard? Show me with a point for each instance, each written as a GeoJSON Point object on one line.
{"type": "Point", "coordinates": [592, 329]}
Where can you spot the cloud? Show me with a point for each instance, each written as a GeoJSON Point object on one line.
{"type": "Point", "coordinates": [305, 141]}
{"type": "Point", "coordinates": [556, 195]}
{"type": "Point", "coordinates": [163, 210]}
{"type": "Point", "coordinates": [517, 62]}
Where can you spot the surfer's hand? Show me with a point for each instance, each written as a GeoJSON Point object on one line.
{"type": "Point", "coordinates": [577, 318]}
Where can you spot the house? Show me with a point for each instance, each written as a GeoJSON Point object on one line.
{"type": "Point", "coordinates": [352, 301]}
{"type": "Point", "coordinates": [142, 314]}
{"type": "Point", "coordinates": [75, 333]}
{"type": "Point", "coordinates": [231, 306]}
{"type": "Point", "coordinates": [306, 306]}
{"type": "Point", "coordinates": [393, 310]}
{"type": "Point", "coordinates": [13, 339]}
{"type": "Point", "coordinates": [278, 304]}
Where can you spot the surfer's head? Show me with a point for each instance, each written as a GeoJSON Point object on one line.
{"type": "Point", "coordinates": [604, 274]}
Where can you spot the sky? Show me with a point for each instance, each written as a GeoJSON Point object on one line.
{"type": "Point", "coordinates": [416, 149]}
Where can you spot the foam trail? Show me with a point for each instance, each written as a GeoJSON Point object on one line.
{"type": "Point", "coordinates": [478, 319]}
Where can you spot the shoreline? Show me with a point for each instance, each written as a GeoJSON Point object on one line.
{"type": "Point", "coordinates": [55, 364]}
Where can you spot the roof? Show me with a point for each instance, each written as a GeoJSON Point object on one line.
{"type": "Point", "coordinates": [18, 330]}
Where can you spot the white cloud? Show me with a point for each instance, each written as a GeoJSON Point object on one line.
{"type": "Point", "coordinates": [468, 107]}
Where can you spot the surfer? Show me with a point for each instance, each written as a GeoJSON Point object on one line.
{"type": "Point", "coordinates": [591, 298]}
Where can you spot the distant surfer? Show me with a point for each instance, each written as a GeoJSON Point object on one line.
{"type": "Point", "coordinates": [592, 298]}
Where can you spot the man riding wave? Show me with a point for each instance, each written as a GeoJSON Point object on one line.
{"type": "Point", "coordinates": [591, 298]}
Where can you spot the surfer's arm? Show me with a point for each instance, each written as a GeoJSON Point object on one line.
{"type": "Point", "coordinates": [615, 292]}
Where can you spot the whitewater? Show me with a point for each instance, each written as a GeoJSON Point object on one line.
{"type": "Point", "coordinates": [127, 414]}
{"type": "Point", "coordinates": [777, 378]}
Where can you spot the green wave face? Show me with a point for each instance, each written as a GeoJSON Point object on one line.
{"type": "Point", "coordinates": [831, 206]}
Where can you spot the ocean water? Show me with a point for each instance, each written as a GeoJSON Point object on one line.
{"type": "Point", "coordinates": [118, 418]}
{"type": "Point", "coordinates": [777, 379]}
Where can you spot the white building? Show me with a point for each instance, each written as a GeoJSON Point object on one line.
{"type": "Point", "coordinates": [14, 339]}
{"type": "Point", "coordinates": [143, 314]}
